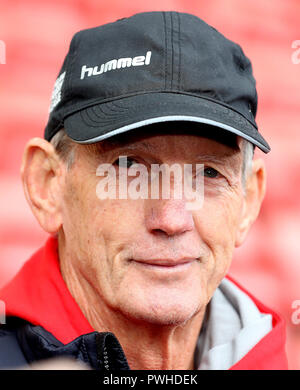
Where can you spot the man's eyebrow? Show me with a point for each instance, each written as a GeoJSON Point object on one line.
{"type": "Point", "coordinates": [230, 161]}
{"type": "Point", "coordinates": [214, 158]}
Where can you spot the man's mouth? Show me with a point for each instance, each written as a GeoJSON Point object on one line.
{"type": "Point", "coordinates": [166, 264]}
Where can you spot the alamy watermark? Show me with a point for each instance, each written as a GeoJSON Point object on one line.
{"type": "Point", "coordinates": [296, 54]}
{"type": "Point", "coordinates": [2, 52]}
{"type": "Point", "coordinates": [295, 318]}
{"type": "Point", "coordinates": [2, 313]}
{"type": "Point", "coordinates": [158, 181]}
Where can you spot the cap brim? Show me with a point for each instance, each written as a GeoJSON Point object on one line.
{"type": "Point", "coordinates": [101, 121]}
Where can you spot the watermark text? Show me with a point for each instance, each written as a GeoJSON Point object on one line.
{"type": "Point", "coordinates": [159, 181]}
{"type": "Point", "coordinates": [2, 52]}
{"type": "Point", "coordinates": [2, 313]}
{"type": "Point", "coordinates": [296, 53]}
{"type": "Point", "coordinates": [296, 313]}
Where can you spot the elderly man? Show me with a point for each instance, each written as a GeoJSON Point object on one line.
{"type": "Point", "coordinates": [135, 278]}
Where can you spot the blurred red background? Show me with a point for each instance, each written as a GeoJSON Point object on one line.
{"type": "Point", "coordinates": [37, 35]}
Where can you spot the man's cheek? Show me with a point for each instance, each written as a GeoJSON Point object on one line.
{"type": "Point", "coordinates": [218, 229]}
{"type": "Point", "coordinates": [218, 268]}
{"type": "Point", "coordinates": [216, 223]}
{"type": "Point", "coordinates": [227, 219]}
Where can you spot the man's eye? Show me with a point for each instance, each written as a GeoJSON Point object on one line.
{"type": "Point", "coordinates": [210, 173]}
{"type": "Point", "coordinates": [125, 162]}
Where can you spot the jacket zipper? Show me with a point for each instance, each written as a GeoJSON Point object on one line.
{"type": "Point", "coordinates": [105, 355]}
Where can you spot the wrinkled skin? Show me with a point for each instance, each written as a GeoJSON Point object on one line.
{"type": "Point", "coordinates": [145, 269]}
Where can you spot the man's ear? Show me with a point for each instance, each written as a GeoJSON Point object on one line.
{"type": "Point", "coordinates": [41, 173]}
{"type": "Point", "coordinates": [254, 195]}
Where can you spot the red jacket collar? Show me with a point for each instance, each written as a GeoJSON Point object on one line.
{"type": "Point", "coordinates": [269, 353]}
{"type": "Point", "coordinates": [39, 295]}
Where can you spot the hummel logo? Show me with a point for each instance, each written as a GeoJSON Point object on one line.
{"type": "Point", "coordinates": [116, 64]}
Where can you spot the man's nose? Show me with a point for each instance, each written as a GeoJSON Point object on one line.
{"type": "Point", "coordinates": [169, 217]}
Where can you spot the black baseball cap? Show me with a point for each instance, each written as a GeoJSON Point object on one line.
{"type": "Point", "coordinates": [150, 68]}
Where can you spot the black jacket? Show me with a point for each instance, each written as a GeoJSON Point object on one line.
{"type": "Point", "coordinates": [22, 343]}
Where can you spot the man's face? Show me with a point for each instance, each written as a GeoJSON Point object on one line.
{"type": "Point", "coordinates": [153, 259]}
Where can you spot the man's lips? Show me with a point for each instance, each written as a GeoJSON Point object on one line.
{"type": "Point", "coordinates": [167, 263]}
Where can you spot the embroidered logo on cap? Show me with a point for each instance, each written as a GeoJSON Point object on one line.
{"type": "Point", "coordinates": [56, 94]}
{"type": "Point", "coordinates": [115, 64]}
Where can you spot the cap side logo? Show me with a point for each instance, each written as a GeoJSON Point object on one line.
{"type": "Point", "coordinates": [56, 94]}
{"type": "Point", "coordinates": [115, 64]}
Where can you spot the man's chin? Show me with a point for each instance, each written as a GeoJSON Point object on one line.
{"type": "Point", "coordinates": [161, 314]}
